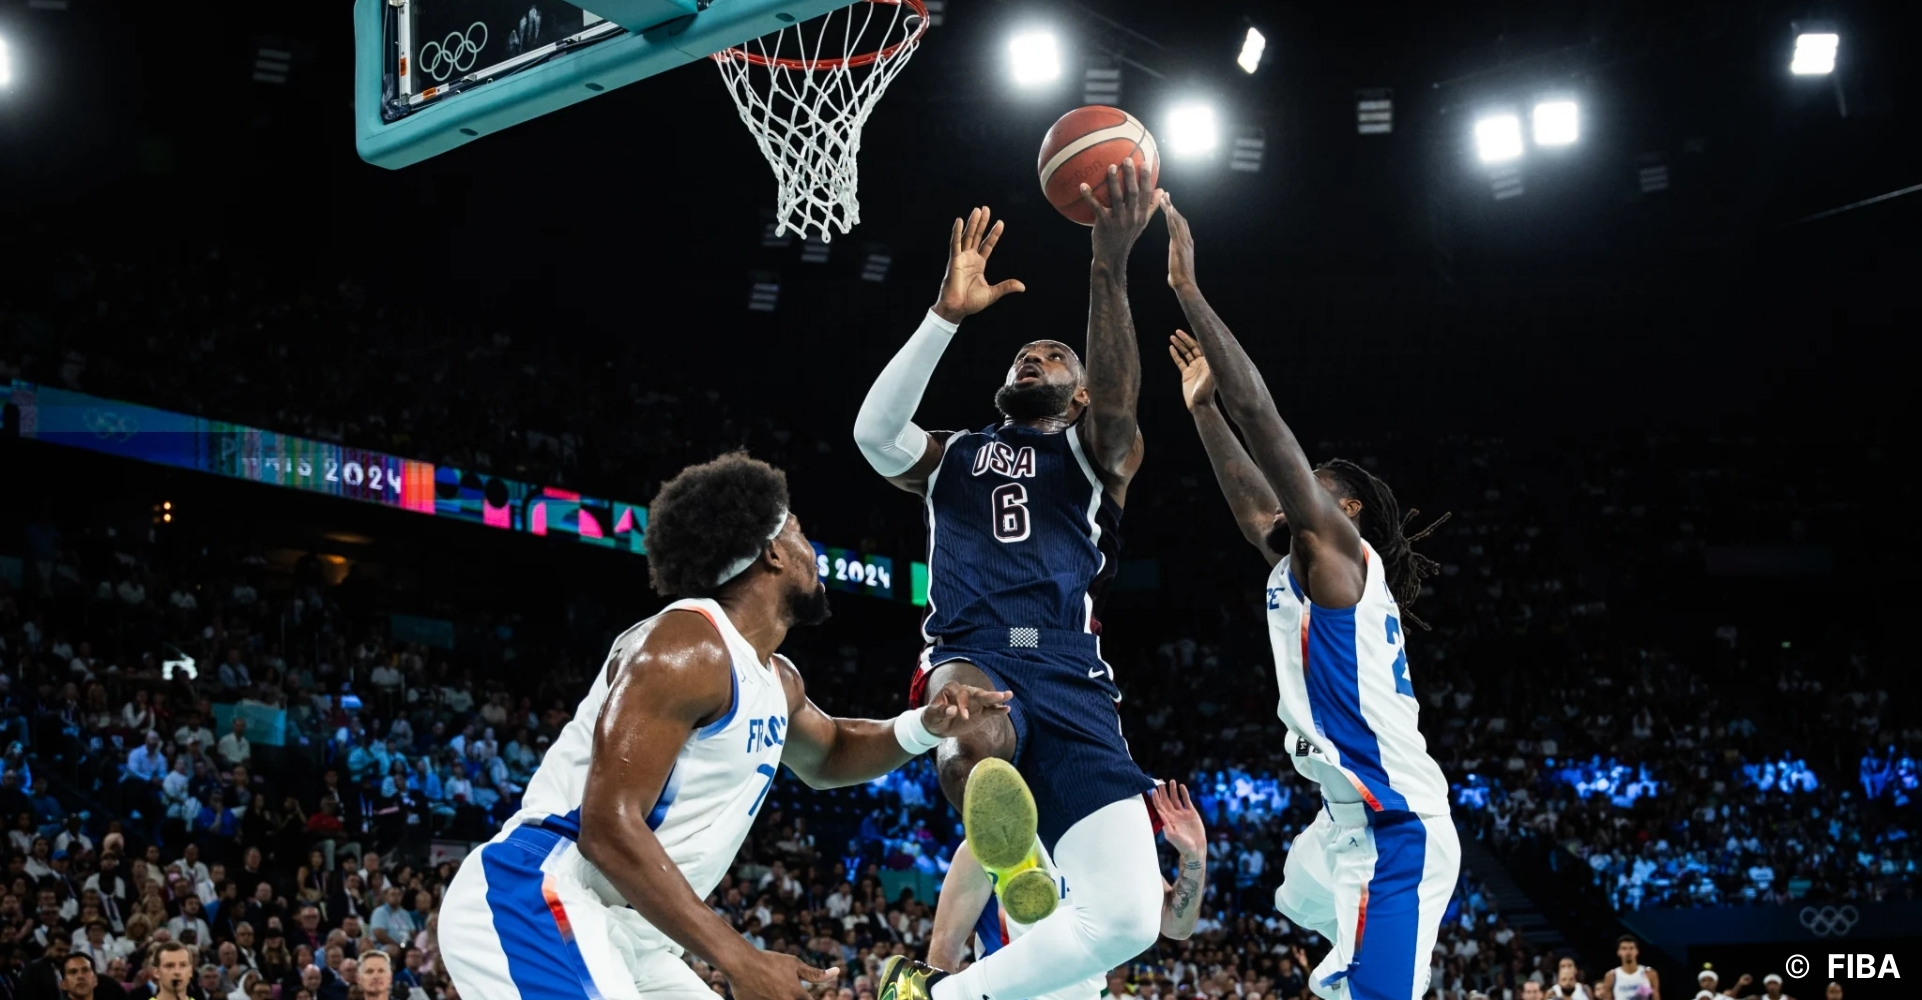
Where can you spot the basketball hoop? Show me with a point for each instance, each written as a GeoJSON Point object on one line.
{"type": "Point", "coordinates": [804, 93]}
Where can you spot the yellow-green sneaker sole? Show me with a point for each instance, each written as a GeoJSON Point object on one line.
{"type": "Point", "coordinates": [1029, 896]}
{"type": "Point", "coordinates": [998, 813]}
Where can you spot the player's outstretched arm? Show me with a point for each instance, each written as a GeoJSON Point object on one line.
{"type": "Point", "coordinates": [1324, 537]}
{"type": "Point", "coordinates": [1181, 824]}
{"type": "Point", "coordinates": [1249, 496]}
{"type": "Point", "coordinates": [1113, 363]}
{"type": "Point", "coordinates": [678, 679]}
{"type": "Point", "coordinates": [964, 894]}
{"type": "Point", "coordinates": [827, 752]}
{"type": "Point", "coordinates": [885, 428]}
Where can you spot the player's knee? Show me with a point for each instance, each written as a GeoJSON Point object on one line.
{"type": "Point", "coordinates": [1127, 926]}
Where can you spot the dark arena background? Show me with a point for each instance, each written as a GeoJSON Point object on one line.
{"type": "Point", "coordinates": [362, 457]}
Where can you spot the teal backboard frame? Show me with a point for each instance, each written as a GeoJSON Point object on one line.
{"type": "Point", "coordinates": [655, 36]}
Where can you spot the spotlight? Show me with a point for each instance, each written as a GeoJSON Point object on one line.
{"type": "Point", "coordinates": [1556, 123]}
{"type": "Point", "coordinates": [1192, 130]}
{"type": "Point", "coordinates": [815, 250]}
{"type": "Point", "coordinates": [6, 64]}
{"type": "Point", "coordinates": [1498, 138]}
{"type": "Point", "coordinates": [874, 266]}
{"type": "Point", "coordinates": [1814, 54]}
{"type": "Point", "coordinates": [1251, 49]}
{"type": "Point", "coordinates": [1034, 57]}
{"type": "Point", "coordinates": [937, 12]}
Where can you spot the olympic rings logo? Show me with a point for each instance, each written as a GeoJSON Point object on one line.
{"type": "Point", "coordinates": [455, 53]}
{"type": "Point", "coordinates": [1830, 921]}
{"type": "Point", "coordinates": [110, 425]}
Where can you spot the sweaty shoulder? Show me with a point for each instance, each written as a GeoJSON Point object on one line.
{"type": "Point", "coordinates": [679, 659]}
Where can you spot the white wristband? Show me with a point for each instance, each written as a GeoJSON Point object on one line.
{"type": "Point", "coordinates": [913, 734]}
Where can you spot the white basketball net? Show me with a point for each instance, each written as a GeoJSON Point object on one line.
{"type": "Point", "coordinates": [805, 105]}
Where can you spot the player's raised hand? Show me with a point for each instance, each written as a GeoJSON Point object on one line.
{"type": "Point", "coordinates": [966, 291]}
{"type": "Point", "coordinates": [1119, 224]}
{"type": "Point", "coordinates": [1181, 248]}
{"type": "Point", "coordinates": [1197, 380]}
{"type": "Point", "coordinates": [1180, 820]}
{"type": "Point", "coordinates": [774, 975]}
{"type": "Point", "coordinates": [959, 708]}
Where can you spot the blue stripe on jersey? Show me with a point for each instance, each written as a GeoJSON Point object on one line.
{"type": "Point", "coordinates": [543, 960]}
{"type": "Point", "coordinates": [1333, 668]}
{"type": "Point", "coordinates": [733, 705]}
{"type": "Point", "coordinates": [669, 792]}
{"type": "Point", "coordinates": [987, 928]}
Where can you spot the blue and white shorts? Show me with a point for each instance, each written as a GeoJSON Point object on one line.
{"type": "Point", "coordinates": [519, 923]}
{"type": "Point", "coordinates": [1376, 885]}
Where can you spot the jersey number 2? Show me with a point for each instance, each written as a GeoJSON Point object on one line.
{"type": "Point", "coordinates": [1010, 508]}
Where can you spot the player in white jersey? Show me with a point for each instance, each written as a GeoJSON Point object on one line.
{"type": "Point", "coordinates": [1374, 872]}
{"type": "Point", "coordinates": [967, 902]}
{"type": "Point", "coordinates": [1632, 980]}
{"type": "Point", "coordinates": [595, 889]}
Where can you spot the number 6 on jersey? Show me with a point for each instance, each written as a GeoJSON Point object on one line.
{"type": "Point", "coordinates": [1010, 505]}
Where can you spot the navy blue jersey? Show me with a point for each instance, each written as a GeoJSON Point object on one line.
{"type": "Point", "coordinates": [1021, 534]}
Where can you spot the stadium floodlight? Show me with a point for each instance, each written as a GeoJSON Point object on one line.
{"type": "Point", "coordinates": [1192, 130]}
{"type": "Point", "coordinates": [6, 64]}
{"type": "Point", "coordinates": [1498, 138]}
{"type": "Point", "coordinates": [1814, 53]}
{"type": "Point", "coordinates": [1034, 57]}
{"type": "Point", "coordinates": [1252, 47]}
{"type": "Point", "coordinates": [1556, 123]}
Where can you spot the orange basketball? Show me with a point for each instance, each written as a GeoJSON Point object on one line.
{"type": "Point", "coordinates": [1081, 147]}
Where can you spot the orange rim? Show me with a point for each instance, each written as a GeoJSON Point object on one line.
{"type": "Point", "coordinates": [919, 7]}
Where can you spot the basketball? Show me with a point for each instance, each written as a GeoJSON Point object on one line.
{"type": "Point", "coordinates": [1080, 148]}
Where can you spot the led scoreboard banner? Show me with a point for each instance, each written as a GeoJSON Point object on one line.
{"type": "Point", "coordinates": [77, 420]}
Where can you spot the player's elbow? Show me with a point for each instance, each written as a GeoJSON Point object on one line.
{"type": "Point", "coordinates": [1176, 931]}
{"type": "Point", "coordinates": [890, 450]}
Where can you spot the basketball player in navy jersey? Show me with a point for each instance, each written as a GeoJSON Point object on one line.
{"type": "Point", "coordinates": [1022, 518]}
{"type": "Point", "coordinates": [1373, 873]}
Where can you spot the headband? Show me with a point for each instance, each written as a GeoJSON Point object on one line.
{"type": "Point", "coordinates": [739, 566]}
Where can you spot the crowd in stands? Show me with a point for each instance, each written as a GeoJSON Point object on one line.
{"type": "Point", "coordinates": [277, 806]}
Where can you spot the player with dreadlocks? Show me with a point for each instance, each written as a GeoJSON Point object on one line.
{"type": "Point", "coordinates": [1381, 856]}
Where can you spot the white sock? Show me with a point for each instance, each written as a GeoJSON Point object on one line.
{"type": "Point", "coordinates": [1112, 913]}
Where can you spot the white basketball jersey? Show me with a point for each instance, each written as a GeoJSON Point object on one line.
{"type": "Point", "coordinates": [1346, 696]}
{"type": "Point", "coordinates": [717, 784]}
{"type": "Point", "coordinates": [1632, 985]}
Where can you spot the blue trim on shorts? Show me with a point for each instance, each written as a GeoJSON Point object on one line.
{"type": "Point", "coordinates": [544, 962]}
{"type": "Point", "coordinates": [1385, 964]}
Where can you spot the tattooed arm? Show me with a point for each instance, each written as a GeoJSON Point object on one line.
{"type": "Point", "coordinates": [1181, 824]}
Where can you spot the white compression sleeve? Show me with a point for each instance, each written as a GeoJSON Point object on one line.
{"type": "Point", "coordinates": [885, 429]}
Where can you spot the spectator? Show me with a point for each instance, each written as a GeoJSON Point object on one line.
{"type": "Point", "coordinates": [233, 748]}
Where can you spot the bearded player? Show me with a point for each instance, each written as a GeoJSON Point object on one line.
{"type": "Point", "coordinates": [1374, 872]}
{"type": "Point", "coordinates": [594, 889]}
{"type": "Point", "coordinates": [1021, 543]}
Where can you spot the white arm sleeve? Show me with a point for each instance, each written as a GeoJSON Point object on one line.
{"type": "Point", "coordinates": [885, 429]}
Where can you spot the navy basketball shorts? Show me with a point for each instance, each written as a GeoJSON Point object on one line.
{"type": "Point", "coordinates": [1068, 742]}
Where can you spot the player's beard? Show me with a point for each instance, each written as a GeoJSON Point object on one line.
{"type": "Point", "coordinates": [1032, 402]}
{"type": "Point", "coordinates": [809, 607]}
